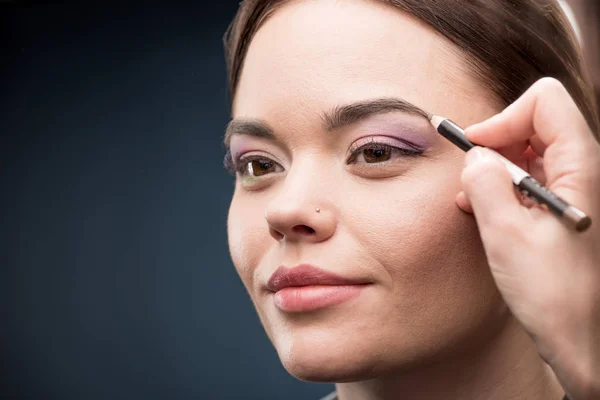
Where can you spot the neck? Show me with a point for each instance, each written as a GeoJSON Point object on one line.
{"type": "Point", "coordinates": [507, 368]}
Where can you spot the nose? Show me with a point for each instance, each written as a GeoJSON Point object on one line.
{"type": "Point", "coordinates": [300, 221]}
{"type": "Point", "coordinates": [296, 217]}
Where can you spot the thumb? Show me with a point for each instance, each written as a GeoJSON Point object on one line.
{"type": "Point", "coordinates": [488, 187]}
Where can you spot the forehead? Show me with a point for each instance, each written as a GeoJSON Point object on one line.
{"type": "Point", "coordinates": [310, 55]}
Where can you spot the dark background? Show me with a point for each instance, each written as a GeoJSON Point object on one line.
{"type": "Point", "coordinates": [116, 281]}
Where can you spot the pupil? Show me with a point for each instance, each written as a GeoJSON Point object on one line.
{"type": "Point", "coordinates": [374, 155]}
{"type": "Point", "coordinates": [260, 167]}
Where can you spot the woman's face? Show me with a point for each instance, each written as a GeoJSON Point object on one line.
{"type": "Point", "coordinates": [385, 183]}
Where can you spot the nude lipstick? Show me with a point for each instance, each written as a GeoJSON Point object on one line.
{"type": "Point", "coordinates": [307, 288]}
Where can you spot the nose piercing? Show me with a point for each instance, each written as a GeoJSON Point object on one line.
{"type": "Point", "coordinates": [318, 210]}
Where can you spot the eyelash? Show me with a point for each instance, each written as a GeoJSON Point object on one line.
{"type": "Point", "coordinates": [240, 165]}
{"type": "Point", "coordinates": [373, 144]}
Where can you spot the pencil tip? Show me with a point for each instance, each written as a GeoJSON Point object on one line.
{"type": "Point", "coordinates": [436, 120]}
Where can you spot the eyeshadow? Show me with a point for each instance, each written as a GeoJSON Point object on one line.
{"type": "Point", "coordinates": [415, 131]}
{"type": "Point", "coordinates": [394, 127]}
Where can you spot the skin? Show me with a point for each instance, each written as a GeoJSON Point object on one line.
{"type": "Point", "coordinates": [432, 324]}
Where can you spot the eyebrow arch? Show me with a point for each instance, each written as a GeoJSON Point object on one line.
{"type": "Point", "coordinates": [335, 118]}
{"type": "Point", "coordinates": [348, 114]}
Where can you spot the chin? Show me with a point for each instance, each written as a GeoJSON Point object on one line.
{"type": "Point", "coordinates": [328, 368]}
{"type": "Point", "coordinates": [327, 358]}
{"type": "Point", "coordinates": [328, 353]}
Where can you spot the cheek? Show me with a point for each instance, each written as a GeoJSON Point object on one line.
{"type": "Point", "coordinates": [406, 230]}
{"type": "Point", "coordinates": [427, 256]}
{"type": "Point", "coordinates": [246, 232]}
{"type": "Point", "coordinates": [429, 248]}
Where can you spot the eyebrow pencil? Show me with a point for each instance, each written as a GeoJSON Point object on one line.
{"type": "Point", "coordinates": [527, 185]}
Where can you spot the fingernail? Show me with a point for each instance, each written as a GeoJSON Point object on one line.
{"type": "Point", "coordinates": [474, 155]}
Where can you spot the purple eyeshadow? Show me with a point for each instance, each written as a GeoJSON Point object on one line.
{"type": "Point", "coordinates": [414, 137]}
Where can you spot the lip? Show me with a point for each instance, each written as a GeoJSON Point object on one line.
{"type": "Point", "coordinates": [306, 275]}
{"type": "Point", "coordinates": [305, 288]}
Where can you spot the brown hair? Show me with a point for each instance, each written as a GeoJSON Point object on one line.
{"type": "Point", "coordinates": [509, 44]}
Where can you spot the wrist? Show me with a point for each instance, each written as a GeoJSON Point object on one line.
{"type": "Point", "coordinates": [574, 356]}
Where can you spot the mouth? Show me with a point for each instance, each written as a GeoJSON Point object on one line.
{"type": "Point", "coordinates": [307, 288]}
{"type": "Point", "coordinates": [310, 298]}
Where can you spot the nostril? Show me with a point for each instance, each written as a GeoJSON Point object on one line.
{"type": "Point", "coordinates": [303, 229]}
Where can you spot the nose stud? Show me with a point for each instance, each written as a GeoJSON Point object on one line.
{"type": "Point", "coordinates": [318, 209]}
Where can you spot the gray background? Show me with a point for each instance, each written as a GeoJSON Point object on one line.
{"type": "Point", "coordinates": [116, 280]}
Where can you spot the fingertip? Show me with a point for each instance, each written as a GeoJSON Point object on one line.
{"type": "Point", "coordinates": [482, 132]}
{"type": "Point", "coordinates": [473, 131]}
{"type": "Point", "coordinates": [482, 157]}
{"type": "Point", "coordinates": [483, 170]}
{"type": "Point", "coordinates": [492, 157]}
{"type": "Point", "coordinates": [488, 187]}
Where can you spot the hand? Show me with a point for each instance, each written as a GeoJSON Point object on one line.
{"type": "Point", "coordinates": [548, 274]}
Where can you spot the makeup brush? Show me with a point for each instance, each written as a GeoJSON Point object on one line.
{"type": "Point", "coordinates": [527, 185]}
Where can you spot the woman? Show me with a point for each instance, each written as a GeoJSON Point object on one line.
{"type": "Point", "coordinates": [344, 225]}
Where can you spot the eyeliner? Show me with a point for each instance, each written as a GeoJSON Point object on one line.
{"type": "Point", "coordinates": [527, 185]}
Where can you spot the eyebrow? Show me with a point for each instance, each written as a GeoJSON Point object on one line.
{"type": "Point", "coordinates": [337, 117]}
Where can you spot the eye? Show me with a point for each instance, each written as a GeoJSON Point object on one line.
{"type": "Point", "coordinates": [378, 152]}
{"type": "Point", "coordinates": [255, 166]}
{"type": "Point", "coordinates": [373, 155]}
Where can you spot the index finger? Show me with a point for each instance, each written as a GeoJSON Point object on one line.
{"type": "Point", "coordinates": [547, 116]}
{"type": "Point", "coordinates": [545, 111]}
